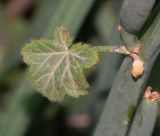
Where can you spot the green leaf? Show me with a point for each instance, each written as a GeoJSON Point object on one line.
{"type": "Point", "coordinates": [56, 65]}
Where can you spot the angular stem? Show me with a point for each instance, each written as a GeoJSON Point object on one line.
{"type": "Point", "coordinates": [126, 92]}
{"type": "Point", "coordinates": [144, 120]}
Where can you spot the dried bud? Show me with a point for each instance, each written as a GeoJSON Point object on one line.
{"type": "Point", "coordinates": [155, 97]}
{"type": "Point", "coordinates": [138, 68]}
{"type": "Point", "coordinates": [151, 96]}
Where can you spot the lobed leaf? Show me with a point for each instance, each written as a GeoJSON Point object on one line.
{"type": "Point", "coordinates": [56, 65]}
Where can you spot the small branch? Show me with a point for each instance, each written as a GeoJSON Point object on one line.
{"type": "Point", "coordinates": [137, 65]}
{"type": "Point", "coordinates": [117, 49]}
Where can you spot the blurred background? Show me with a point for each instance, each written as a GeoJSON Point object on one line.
{"type": "Point", "coordinates": [23, 111]}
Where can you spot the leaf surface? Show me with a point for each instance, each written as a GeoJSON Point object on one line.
{"type": "Point", "coordinates": [56, 65]}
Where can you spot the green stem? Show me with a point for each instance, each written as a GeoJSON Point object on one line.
{"type": "Point", "coordinates": [144, 120]}
{"type": "Point", "coordinates": [127, 91]}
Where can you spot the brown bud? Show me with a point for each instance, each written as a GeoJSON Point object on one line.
{"type": "Point", "coordinates": [151, 96]}
{"type": "Point", "coordinates": [137, 68]}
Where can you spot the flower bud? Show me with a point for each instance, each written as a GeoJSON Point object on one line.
{"type": "Point", "coordinates": [137, 68]}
